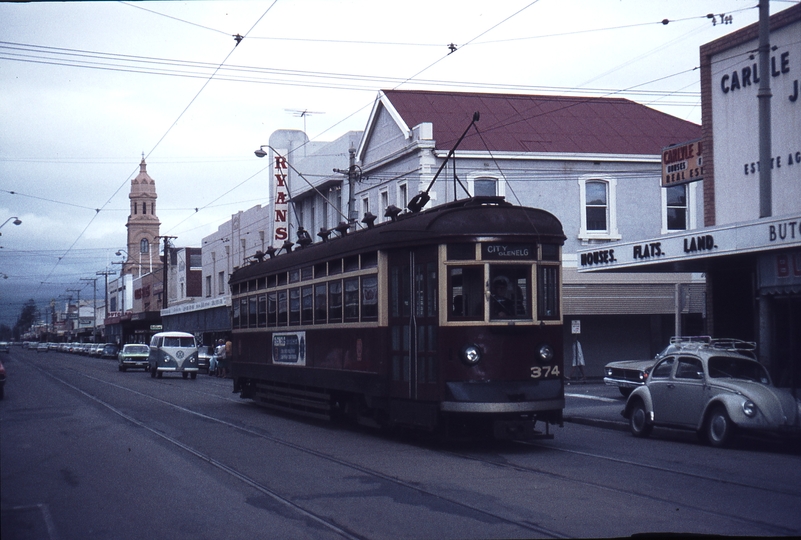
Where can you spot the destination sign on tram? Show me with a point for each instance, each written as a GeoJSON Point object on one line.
{"type": "Point", "coordinates": [507, 251]}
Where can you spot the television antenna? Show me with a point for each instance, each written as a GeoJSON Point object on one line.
{"type": "Point", "coordinates": [302, 113]}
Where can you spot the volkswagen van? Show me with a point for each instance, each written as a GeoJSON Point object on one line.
{"type": "Point", "coordinates": [173, 352]}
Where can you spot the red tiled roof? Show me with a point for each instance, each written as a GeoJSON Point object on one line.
{"type": "Point", "coordinates": [529, 123]}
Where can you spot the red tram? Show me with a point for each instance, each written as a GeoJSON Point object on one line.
{"type": "Point", "coordinates": [447, 319]}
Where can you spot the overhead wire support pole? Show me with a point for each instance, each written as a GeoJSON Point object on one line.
{"type": "Point", "coordinates": [763, 96]}
{"type": "Point", "coordinates": [420, 200]}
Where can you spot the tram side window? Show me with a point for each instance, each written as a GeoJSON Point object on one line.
{"type": "Point", "coordinates": [334, 301]}
{"type": "Point", "coordinates": [509, 292]}
{"type": "Point", "coordinates": [351, 299]}
{"type": "Point", "coordinates": [282, 308]}
{"type": "Point", "coordinates": [253, 311]}
{"type": "Point", "coordinates": [548, 292]}
{"type": "Point", "coordinates": [466, 292]}
{"type": "Point", "coordinates": [272, 309]}
{"type": "Point", "coordinates": [370, 298]}
{"type": "Point", "coordinates": [320, 303]}
{"type": "Point", "coordinates": [236, 315]}
{"type": "Point", "coordinates": [262, 320]}
{"type": "Point", "coordinates": [243, 313]}
{"type": "Point", "coordinates": [306, 305]}
{"type": "Point", "coordinates": [399, 292]}
{"type": "Point", "coordinates": [294, 306]}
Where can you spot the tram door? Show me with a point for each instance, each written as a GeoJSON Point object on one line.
{"type": "Point", "coordinates": [413, 322]}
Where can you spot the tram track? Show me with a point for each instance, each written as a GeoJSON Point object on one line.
{"type": "Point", "coordinates": [779, 530]}
{"type": "Point", "coordinates": [516, 467]}
{"type": "Point", "coordinates": [539, 530]}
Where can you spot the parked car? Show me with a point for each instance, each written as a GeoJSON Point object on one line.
{"type": "Point", "coordinates": [630, 374]}
{"type": "Point", "coordinates": [2, 380]}
{"type": "Point", "coordinates": [5, 347]}
{"type": "Point", "coordinates": [716, 389]}
{"type": "Point", "coordinates": [42, 347]}
{"type": "Point", "coordinates": [205, 359]}
{"type": "Point", "coordinates": [133, 355]}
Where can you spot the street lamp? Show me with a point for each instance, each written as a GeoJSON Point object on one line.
{"type": "Point", "coordinates": [17, 221]}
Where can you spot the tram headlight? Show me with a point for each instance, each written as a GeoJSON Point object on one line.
{"type": "Point", "coordinates": [470, 354]}
{"type": "Point", "coordinates": [545, 353]}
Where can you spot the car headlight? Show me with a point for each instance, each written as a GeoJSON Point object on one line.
{"type": "Point", "coordinates": [470, 354]}
{"type": "Point", "coordinates": [545, 353]}
{"type": "Point", "coordinates": [608, 372]}
{"type": "Point", "coordinates": [643, 375]}
{"type": "Point", "coordinates": [749, 408]}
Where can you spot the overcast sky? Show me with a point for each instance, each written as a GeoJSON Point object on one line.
{"type": "Point", "coordinates": [86, 88]}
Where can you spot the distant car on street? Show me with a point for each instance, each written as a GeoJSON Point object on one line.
{"type": "Point", "coordinates": [205, 359]}
{"type": "Point", "coordinates": [42, 347]}
{"type": "Point", "coordinates": [715, 388]}
{"type": "Point", "coordinates": [133, 355]}
{"type": "Point", "coordinates": [109, 350]}
{"type": "Point", "coordinates": [5, 347]}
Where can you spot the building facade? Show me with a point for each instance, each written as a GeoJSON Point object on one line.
{"type": "Point", "coordinates": [752, 260]}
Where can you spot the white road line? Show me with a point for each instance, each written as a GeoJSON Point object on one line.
{"type": "Point", "coordinates": [597, 398]}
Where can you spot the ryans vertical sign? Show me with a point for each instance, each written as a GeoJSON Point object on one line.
{"type": "Point", "coordinates": [281, 203]}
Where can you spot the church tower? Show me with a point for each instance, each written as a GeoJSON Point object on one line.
{"type": "Point", "coordinates": [143, 225]}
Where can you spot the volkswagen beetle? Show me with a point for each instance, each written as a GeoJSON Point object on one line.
{"type": "Point", "coordinates": [715, 388]}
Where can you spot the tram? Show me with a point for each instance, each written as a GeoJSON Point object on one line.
{"type": "Point", "coordinates": [446, 320]}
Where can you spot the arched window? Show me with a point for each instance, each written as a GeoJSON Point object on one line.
{"type": "Point", "coordinates": [144, 246]}
{"type": "Point", "coordinates": [484, 187]}
{"type": "Point", "coordinates": [598, 209]}
{"type": "Point", "coordinates": [596, 206]}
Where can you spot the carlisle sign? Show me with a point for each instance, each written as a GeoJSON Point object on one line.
{"type": "Point", "coordinates": [683, 163]}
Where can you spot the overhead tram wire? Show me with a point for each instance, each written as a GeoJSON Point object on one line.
{"type": "Point", "coordinates": [151, 151]}
{"type": "Point", "coordinates": [247, 74]}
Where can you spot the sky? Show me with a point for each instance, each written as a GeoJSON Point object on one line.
{"type": "Point", "coordinates": [88, 88]}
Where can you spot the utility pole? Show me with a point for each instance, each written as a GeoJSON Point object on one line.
{"type": "Point", "coordinates": [763, 97]}
{"type": "Point", "coordinates": [94, 307]}
{"type": "Point", "coordinates": [167, 251]}
{"type": "Point", "coordinates": [106, 274]}
{"type": "Point", "coordinates": [78, 310]}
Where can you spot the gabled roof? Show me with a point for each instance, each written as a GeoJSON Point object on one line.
{"type": "Point", "coordinates": [534, 123]}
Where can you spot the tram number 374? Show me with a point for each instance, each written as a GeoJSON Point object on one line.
{"type": "Point", "coordinates": [538, 372]}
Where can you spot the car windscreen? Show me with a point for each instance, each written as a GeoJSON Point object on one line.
{"type": "Point", "coordinates": [179, 341]}
{"type": "Point", "coordinates": [737, 368]}
{"type": "Point", "coordinates": [137, 349]}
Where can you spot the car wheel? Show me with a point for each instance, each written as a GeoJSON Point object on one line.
{"type": "Point", "coordinates": [152, 373]}
{"type": "Point", "coordinates": [638, 421]}
{"type": "Point", "coordinates": [719, 428]}
{"type": "Point", "coordinates": [184, 374]}
{"type": "Point", "coordinates": [194, 376]}
{"type": "Point", "coordinates": [626, 392]}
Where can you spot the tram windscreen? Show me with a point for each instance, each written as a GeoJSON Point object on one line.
{"type": "Point", "coordinates": [509, 292]}
{"type": "Point", "coordinates": [466, 291]}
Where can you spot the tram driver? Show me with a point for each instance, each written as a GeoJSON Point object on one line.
{"type": "Point", "coordinates": [502, 305]}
